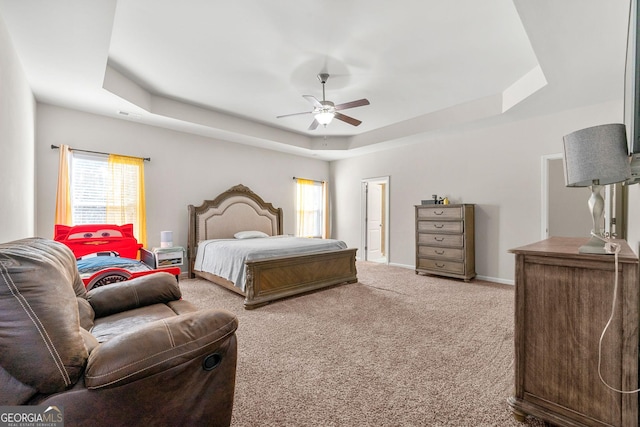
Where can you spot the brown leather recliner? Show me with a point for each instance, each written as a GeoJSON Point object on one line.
{"type": "Point", "coordinates": [129, 353]}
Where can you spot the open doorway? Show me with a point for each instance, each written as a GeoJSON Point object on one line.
{"type": "Point", "coordinates": [375, 220]}
{"type": "Point", "coordinates": [565, 210]}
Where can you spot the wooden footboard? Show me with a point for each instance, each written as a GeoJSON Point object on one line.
{"type": "Point", "coordinates": [276, 278]}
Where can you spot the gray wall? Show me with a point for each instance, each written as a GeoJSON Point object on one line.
{"type": "Point", "coordinates": [497, 168]}
{"type": "Point", "coordinates": [184, 169]}
{"type": "Point", "coordinates": [17, 161]}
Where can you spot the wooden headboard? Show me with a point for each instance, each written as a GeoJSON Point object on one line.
{"type": "Point", "coordinates": [237, 209]}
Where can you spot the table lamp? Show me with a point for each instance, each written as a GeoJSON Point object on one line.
{"type": "Point", "coordinates": [595, 157]}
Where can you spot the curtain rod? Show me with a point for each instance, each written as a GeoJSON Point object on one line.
{"type": "Point", "coordinates": [314, 180]}
{"type": "Point", "coordinates": [148, 159]}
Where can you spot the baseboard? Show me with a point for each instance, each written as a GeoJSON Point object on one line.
{"type": "Point", "coordinates": [496, 280]}
{"type": "Point", "coordinates": [484, 278]}
{"type": "Point", "coordinates": [408, 267]}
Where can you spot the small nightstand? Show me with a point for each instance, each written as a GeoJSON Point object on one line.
{"type": "Point", "coordinates": [163, 257]}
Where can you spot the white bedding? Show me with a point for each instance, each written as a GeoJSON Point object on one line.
{"type": "Point", "coordinates": [226, 257]}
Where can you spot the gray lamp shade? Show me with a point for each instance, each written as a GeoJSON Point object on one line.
{"type": "Point", "coordinates": [598, 154]}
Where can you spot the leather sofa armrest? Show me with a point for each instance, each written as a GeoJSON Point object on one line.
{"type": "Point", "coordinates": [160, 346]}
{"type": "Point", "coordinates": [156, 288]}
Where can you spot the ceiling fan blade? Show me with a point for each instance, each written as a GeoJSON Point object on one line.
{"type": "Point", "coordinates": [313, 100]}
{"type": "Point", "coordinates": [294, 114]}
{"type": "Point", "coordinates": [347, 119]}
{"type": "Point", "coordinates": [352, 104]}
{"type": "Point", "coordinates": [314, 124]}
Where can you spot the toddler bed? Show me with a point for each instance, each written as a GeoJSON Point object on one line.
{"type": "Point", "coordinates": [235, 241]}
{"type": "Point", "coordinates": [105, 253]}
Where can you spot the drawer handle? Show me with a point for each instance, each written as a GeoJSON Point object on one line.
{"type": "Point", "coordinates": [439, 265]}
{"type": "Point", "coordinates": [438, 225]}
{"type": "Point", "coordinates": [439, 239]}
{"type": "Point", "coordinates": [438, 212]}
{"type": "Point", "coordinates": [439, 252]}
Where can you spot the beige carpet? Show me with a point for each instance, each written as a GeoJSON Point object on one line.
{"type": "Point", "coordinates": [394, 349]}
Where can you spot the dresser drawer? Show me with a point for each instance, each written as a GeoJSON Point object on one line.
{"type": "Point", "coordinates": [437, 265]}
{"type": "Point", "coordinates": [441, 226]}
{"type": "Point", "coordinates": [448, 240]}
{"type": "Point", "coordinates": [435, 252]}
{"type": "Point", "coordinates": [440, 212]}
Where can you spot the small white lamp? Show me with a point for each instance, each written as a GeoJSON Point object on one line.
{"type": "Point", "coordinates": [594, 157]}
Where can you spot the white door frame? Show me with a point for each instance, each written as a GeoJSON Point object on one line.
{"type": "Point", "coordinates": [544, 214]}
{"type": "Point", "coordinates": [363, 215]}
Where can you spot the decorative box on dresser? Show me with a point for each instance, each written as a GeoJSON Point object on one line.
{"type": "Point", "coordinates": [445, 240]}
{"type": "Point", "coordinates": [563, 300]}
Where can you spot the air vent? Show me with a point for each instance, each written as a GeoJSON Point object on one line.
{"type": "Point", "coordinates": [128, 114]}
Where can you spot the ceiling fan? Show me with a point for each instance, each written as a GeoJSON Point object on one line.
{"type": "Point", "coordinates": [324, 111]}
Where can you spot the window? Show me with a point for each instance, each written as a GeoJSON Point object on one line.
{"type": "Point", "coordinates": [311, 212]}
{"type": "Point", "coordinates": [102, 189]}
{"type": "Point", "coordinates": [88, 181]}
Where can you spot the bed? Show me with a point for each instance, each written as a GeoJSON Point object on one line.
{"type": "Point", "coordinates": [265, 276]}
{"type": "Point", "coordinates": [105, 253]}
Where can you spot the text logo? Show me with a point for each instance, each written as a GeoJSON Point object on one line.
{"type": "Point", "coordinates": [31, 416]}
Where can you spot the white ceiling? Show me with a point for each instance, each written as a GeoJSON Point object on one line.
{"type": "Point", "coordinates": [226, 69]}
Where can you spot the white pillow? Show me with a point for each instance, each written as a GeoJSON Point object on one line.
{"type": "Point", "coordinates": [249, 234]}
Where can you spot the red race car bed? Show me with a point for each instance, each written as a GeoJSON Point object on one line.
{"type": "Point", "coordinates": [106, 253]}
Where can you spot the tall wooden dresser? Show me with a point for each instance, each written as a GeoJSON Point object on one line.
{"type": "Point", "coordinates": [445, 242]}
{"type": "Point", "coordinates": [563, 300]}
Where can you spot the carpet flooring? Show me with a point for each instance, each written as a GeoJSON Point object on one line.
{"type": "Point", "coordinates": [393, 349]}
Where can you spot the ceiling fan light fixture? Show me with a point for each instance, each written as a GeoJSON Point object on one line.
{"type": "Point", "coordinates": [324, 118]}
{"type": "Point", "coordinates": [324, 111]}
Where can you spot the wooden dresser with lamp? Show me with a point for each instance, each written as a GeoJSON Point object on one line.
{"type": "Point", "coordinates": [563, 300]}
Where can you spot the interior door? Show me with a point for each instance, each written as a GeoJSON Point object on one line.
{"type": "Point", "coordinates": [374, 225]}
{"type": "Point", "coordinates": [374, 222]}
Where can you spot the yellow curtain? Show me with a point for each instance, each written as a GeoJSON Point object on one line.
{"type": "Point", "coordinates": [126, 203]}
{"type": "Point", "coordinates": [63, 193]}
{"type": "Point", "coordinates": [326, 229]}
